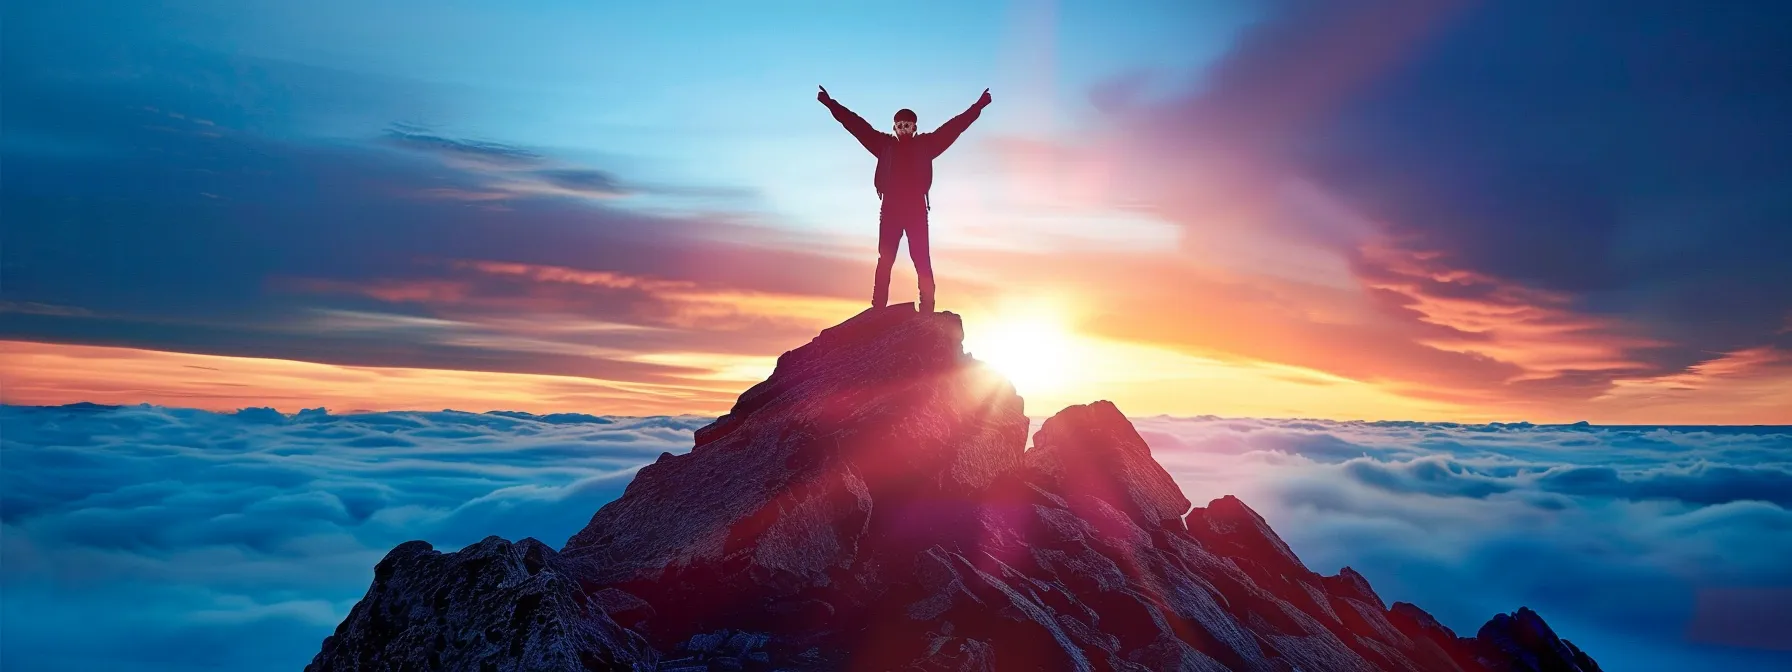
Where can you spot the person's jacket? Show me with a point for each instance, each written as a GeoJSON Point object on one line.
{"type": "Point", "coordinates": [904, 167]}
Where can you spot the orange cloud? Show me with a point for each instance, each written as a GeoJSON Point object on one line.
{"type": "Point", "coordinates": [552, 293]}
{"type": "Point", "coordinates": [1275, 267]}
{"type": "Point", "coordinates": [1537, 330]}
{"type": "Point", "coordinates": [1403, 337]}
{"type": "Point", "coordinates": [1752, 386]}
{"type": "Point", "coordinates": [47, 374]}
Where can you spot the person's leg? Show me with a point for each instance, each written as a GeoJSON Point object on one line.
{"type": "Point", "coordinates": [889, 235]}
{"type": "Point", "coordinates": [916, 227]}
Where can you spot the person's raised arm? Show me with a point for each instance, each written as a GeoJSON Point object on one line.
{"type": "Point", "coordinates": [949, 131]}
{"type": "Point", "coordinates": [855, 124]}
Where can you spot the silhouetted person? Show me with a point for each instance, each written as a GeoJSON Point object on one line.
{"type": "Point", "coordinates": [904, 174]}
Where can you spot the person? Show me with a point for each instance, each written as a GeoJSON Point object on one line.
{"type": "Point", "coordinates": [904, 176]}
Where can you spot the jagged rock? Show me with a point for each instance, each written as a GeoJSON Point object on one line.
{"type": "Point", "coordinates": [1093, 451]}
{"type": "Point", "coordinates": [1435, 645]}
{"type": "Point", "coordinates": [1522, 642]}
{"type": "Point", "coordinates": [494, 605]}
{"type": "Point", "coordinates": [871, 505]}
{"type": "Point", "coordinates": [1233, 530]}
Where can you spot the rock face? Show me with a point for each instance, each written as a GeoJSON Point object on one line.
{"type": "Point", "coordinates": [872, 506]}
{"type": "Point", "coordinates": [492, 605]}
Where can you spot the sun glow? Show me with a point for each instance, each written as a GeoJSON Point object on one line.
{"type": "Point", "coordinates": [1031, 348]}
{"type": "Point", "coordinates": [1037, 346]}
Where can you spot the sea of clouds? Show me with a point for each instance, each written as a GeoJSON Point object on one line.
{"type": "Point", "coordinates": [151, 538]}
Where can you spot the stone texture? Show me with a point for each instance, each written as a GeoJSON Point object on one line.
{"type": "Point", "coordinates": [1522, 642]}
{"type": "Point", "coordinates": [494, 605]}
{"type": "Point", "coordinates": [1092, 451]}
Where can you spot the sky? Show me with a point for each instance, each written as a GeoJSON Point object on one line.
{"type": "Point", "coordinates": [162, 539]}
{"type": "Point", "coordinates": [1419, 210]}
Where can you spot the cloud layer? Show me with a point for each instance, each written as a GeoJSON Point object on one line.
{"type": "Point", "coordinates": [1617, 535]}
{"type": "Point", "coordinates": [168, 539]}
{"type": "Point", "coordinates": [150, 538]}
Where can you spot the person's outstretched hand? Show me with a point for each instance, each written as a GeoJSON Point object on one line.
{"type": "Point", "coordinates": [982, 102]}
{"type": "Point", "coordinates": [824, 97]}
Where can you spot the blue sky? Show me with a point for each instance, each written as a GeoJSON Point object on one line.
{"type": "Point", "coordinates": [705, 94]}
{"type": "Point", "coordinates": [1404, 210]}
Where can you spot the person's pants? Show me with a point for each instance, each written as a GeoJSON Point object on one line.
{"type": "Point", "coordinates": [896, 217]}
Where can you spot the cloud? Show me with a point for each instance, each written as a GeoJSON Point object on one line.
{"type": "Point", "coordinates": [166, 539]}
{"type": "Point", "coordinates": [1431, 475]}
{"type": "Point", "coordinates": [469, 153]}
{"type": "Point", "coordinates": [507, 171]}
{"type": "Point", "coordinates": [1698, 483]}
{"type": "Point", "coordinates": [595, 183]}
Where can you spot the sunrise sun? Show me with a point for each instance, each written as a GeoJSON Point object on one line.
{"type": "Point", "coordinates": [1033, 349]}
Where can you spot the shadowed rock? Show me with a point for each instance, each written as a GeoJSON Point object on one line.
{"type": "Point", "coordinates": [493, 605]}
{"type": "Point", "coordinates": [1521, 641]}
{"type": "Point", "coordinates": [870, 506]}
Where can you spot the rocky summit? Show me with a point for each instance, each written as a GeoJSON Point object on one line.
{"type": "Point", "coordinates": [873, 506]}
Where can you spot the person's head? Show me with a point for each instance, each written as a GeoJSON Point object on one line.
{"type": "Point", "coordinates": [905, 123]}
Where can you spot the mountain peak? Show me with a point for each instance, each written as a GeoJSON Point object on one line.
{"type": "Point", "coordinates": [1092, 450]}
{"type": "Point", "coordinates": [779, 493]}
{"type": "Point", "coordinates": [871, 505]}
{"type": "Point", "coordinates": [878, 344]}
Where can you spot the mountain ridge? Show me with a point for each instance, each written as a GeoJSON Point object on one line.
{"type": "Point", "coordinates": [872, 505]}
